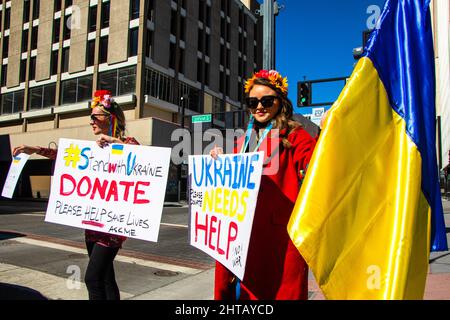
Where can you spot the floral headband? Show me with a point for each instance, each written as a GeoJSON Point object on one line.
{"type": "Point", "coordinates": [104, 99]}
{"type": "Point", "coordinates": [273, 76]}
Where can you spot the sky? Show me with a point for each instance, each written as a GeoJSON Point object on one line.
{"type": "Point", "coordinates": [315, 40]}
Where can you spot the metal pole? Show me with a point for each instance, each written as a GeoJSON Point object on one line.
{"type": "Point", "coordinates": [269, 9]}
{"type": "Point", "coordinates": [183, 98]}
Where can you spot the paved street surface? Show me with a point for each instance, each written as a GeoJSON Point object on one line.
{"type": "Point", "coordinates": [44, 260]}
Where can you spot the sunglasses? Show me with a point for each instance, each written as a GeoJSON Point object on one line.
{"type": "Point", "coordinates": [94, 116]}
{"type": "Point", "coordinates": [266, 101]}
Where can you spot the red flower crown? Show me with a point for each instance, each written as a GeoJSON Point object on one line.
{"type": "Point", "coordinates": [273, 76]}
{"type": "Point", "coordinates": [102, 98]}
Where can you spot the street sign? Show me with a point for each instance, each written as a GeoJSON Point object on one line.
{"type": "Point", "coordinates": [201, 118]}
{"type": "Point", "coordinates": [317, 114]}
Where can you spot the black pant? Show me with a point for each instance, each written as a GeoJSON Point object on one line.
{"type": "Point", "coordinates": [100, 278]}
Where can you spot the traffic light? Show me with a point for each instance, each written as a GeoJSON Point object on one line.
{"type": "Point", "coordinates": [304, 94]}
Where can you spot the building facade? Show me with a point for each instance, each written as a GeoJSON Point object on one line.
{"type": "Point", "coordinates": [158, 57]}
{"type": "Point", "coordinates": [441, 31]}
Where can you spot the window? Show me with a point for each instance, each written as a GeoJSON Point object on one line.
{"type": "Point", "coordinates": [36, 9]}
{"type": "Point", "coordinates": [127, 80]}
{"type": "Point", "coordinates": [105, 14]}
{"type": "Point", "coordinates": [222, 5]}
{"type": "Point", "coordinates": [23, 70]}
{"type": "Point", "coordinates": [92, 18]}
{"type": "Point", "coordinates": [222, 55]}
{"type": "Point", "coordinates": [172, 56]}
{"type": "Point", "coordinates": [185, 90]}
{"type": "Point", "coordinates": [5, 47]}
{"type": "Point", "coordinates": [199, 70]}
{"type": "Point", "coordinates": [56, 27]}
{"type": "Point", "coordinates": [7, 18]}
{"type": "Point", "coordinates": [65, 59]}
{"type": "Point", "coordinates": [222, 27]}
{"type": "Point", "coordinates": [151, 10]}
{"type": "Point", "coordinates": [201, 11]}
{"type": "Point", "coordinates": [207, 41]}
{"type": "Point", "coordinates": [134, 12]}
{"type": "Point", "coordinates": [108, 81]}
{"type": "Point", "coordinates": [4, 74]}
{"type": "Point", "coordinates": [69, 91]}
{"type": "Point", "coordinates": [200, 40]}
{"type": "Point", "coordinates": [57, 5]}
{"type": "Point", "coordinates": [68, 3]}
{"type": "Point", "coordinates": [239, 91]}
{"type": "Point", "coordinates": [32, 72]}
{"type": "Point", "coordinates": [12, 102]}
{"type": "Point", "coordinates": [42, 97]}
{"type": "Point", "coordinates": [119, 81]}
{"type": "Point", "coordinates": [241, 17]}
{"type": "Point", "coordinates": [208, 16]}
{"type": "Point", "coordinates": [183, 28]}
{"type": "Point", "coordinates": [173, 23]}
{"type": "Point", "coordinates": [221, 82]}
{"type": "Point", "coordinates": [66, 32]}
{"type": "Point", "coordinates": [181, 61]}
{"type": "Point", "coordinates": [76, 90]}
{"type": "Point", "coordinates": [84, 92]}
{"type": "Point", "coordinates": [133, 40]}
{"type": "Point", "coordinates": [34, 37]}
{"type": "Point", "coordinates": [25, 40]}
{"type": "Point", "coordinates": [26, 11]}
{"type": "Point", "coordinates": [206, 76]}
{"type": "Point", "coordinates": [149, 44]}
{"type": "Point", "coordinates": [54, 63]}
{"type": "Point", "coordinates": [90, 55]}
{"type": "Point", "coordinates": [240, 42]}
{"type": "Point", "coordinates": [159, 85]}
{"type": "Point", "coordinates": [103, 50]}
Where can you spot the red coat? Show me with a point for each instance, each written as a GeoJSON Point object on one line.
{"type": "Point", "coordinates": [274, 267]}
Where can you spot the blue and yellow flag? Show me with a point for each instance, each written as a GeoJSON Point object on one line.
{"type": "Point", "coordinates": [370, 208]}
{"type": "Point", "coordinates": [117, 149]}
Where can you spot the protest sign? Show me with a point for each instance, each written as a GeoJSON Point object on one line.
{"type": "Point", "coordinates": [118, 189]}
{"type": "Point", "coordinates": [222, 200]}
{"type": "Point", "coordinates": [14, 172]}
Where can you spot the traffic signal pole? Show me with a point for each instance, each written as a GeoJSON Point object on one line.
{"type": "Point", "coordinates": [269, 9]}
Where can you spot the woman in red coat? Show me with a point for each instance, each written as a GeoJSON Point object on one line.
{"type": "Point", "coordinates": [274, 268]}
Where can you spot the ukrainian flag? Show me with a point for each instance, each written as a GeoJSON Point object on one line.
{"type": "Point", "coordinates": [16, 159]}
{"type": "Point", "coordinates": [117, 149]}
{"type": "Point", "coordinates": [370, 209]}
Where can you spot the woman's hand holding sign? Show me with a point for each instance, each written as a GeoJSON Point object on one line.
{"type": "Point", "coordinates": [215, 152]}
{"type": "Point", "coordinates": [104, 140]}
{"type": "Point", "coordinates": [25, 149]}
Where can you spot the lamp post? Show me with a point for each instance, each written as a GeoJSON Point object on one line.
{"type": "Point", "coordinates": [183, 100]}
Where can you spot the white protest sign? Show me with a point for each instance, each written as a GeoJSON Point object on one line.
{"type": "Point", "coordinates": [317, 114]}
{"type": "Point", "coordinates": [222, 199]}
{"type": "Point", "coordinates": [118, 189]}
{"type": "Point", "coordinates": [14, 172]}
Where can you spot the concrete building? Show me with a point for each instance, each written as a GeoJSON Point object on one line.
{"type": "Point", "coordinates": [158, 57]}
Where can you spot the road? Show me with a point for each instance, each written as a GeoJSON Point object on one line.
{"type": "Point", "coordinates": [52, 259]}
{"type": "Point", "coordinates": [29, 245]}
